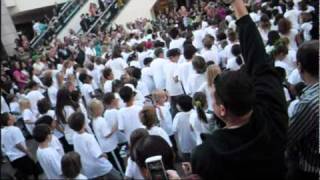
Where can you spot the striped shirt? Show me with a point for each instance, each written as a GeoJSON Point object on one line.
{"type": "Point", "coordinates": [303, 131]}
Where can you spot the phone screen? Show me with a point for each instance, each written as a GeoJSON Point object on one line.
{"type": "Point", "coordinates": [157, 170]}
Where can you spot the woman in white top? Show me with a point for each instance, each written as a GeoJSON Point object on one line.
{"type": "Point", "coordinates": [208, 86]}
{"type": "Point", "coordinates": [117, 63]}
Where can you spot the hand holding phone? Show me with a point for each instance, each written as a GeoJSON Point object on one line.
{"type": "Point", "coordinates": [156, 169]}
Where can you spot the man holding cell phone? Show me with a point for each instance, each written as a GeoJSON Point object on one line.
{"type": "Point", "coordinates": [252, 105]}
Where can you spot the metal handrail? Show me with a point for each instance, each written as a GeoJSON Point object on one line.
{"type": "Point", "coordinates": [102, 15]}
{"type": "Point", "coordinates": [49, 28]}
{"type": "Point", "coordinates": [64, 7]}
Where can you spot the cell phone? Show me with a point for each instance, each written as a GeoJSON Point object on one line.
{"type": "Point", "coordinates": [156, 169]}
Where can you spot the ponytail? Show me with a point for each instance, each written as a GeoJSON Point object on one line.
{"type": "Point", "coordinates": [201, 114]}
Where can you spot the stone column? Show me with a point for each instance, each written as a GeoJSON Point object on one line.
{"type": "Point", "coordinates": [8, 30]}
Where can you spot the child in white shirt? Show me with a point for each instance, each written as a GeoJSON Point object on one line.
{"type": "Point", "coordinates": [148, 117]}
{"type": "Point", "coordinates": [199, 119]}
{"type": "Point", "coordinates": [48, 157]}
{"type": "Point", "coordinates": [87, 89]}
{"type": "Point", "coordinates": [54, 143]}
{"type": "Point", "coordinates": [173, 85]}
{"type": "Point", "coordinates": [198, 78]}
{"type": "Point", "coordinates": [129, 116]}
{"type": "Point", "coordinates": [71, 166]}
{"type": "Point", "coordinates": [94, 161]}
{"type": "Point", "coordinates": [105, 132]}
{"type": "Point", "coordinates": [34, 96]}
{"type": "Point", "coordinates": [14, 146]}
{"type": "Point", "coordinates": [108, 77]}
{"type": "Point", "coordinates": [184, 137]}
{"type": "Point", "coordinates": [132, 170]}
{"type": "Point", "coordinates": [159, 98]}
{"type": "Point", "coordinates": [28, 116]}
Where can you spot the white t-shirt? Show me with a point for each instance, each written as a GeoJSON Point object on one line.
{"type": "Point", "coordinates": [166, 121]}
{"type": "Point", "coordinates": [195, 81]}
{"type": "Point", "coordinates": [52, 114]}
{"type": "Point", "coordinates": [212, 31]}
{"type": "Point", "coordinates": [68, 132]}
{"type": "Point", "coordinates": [117, 65]}
{"type": "Point", "coordinates": [158, 131]}
{"type": "Point", "coordinates": [294, 77]}
{"type": "Point", "coordinates": [129, 120]}
{"type": "Point", "coordinates": [174, 88]}
{"type": "Point", "coordinates": [55, 144]}
{"type": "Point", "coordinates": [292, 39]}
{"type": "Point", "coordinates": [88, 148]}
{"type": "Point", "coordinates": [101, 129]}
{"type": "Point", "coordinates": [198, 126]}
{"type": "Point", "coordinates": [4, 105]}
{"type": "Point", "coordinates": [28, 115]}
{"type": "Point", "coordinates": [293, 16]}
{"type": "Point", "coordinates": [107, 86]}
{"type": "Point", "coordinates": [34, 96]}
{"type": "Point", "coordinates": [143, 88]}
{"type": "Point", "coordinates": [10, 137]}
{"type": "Point", "coordinates": [306, 28]}
{"type": "Point", "coordinates": [52, 93]}
{"type": "Point", "coordinates": [132, 170]}
{"type": "Point", "coordinates": [186, 140]}
{"type": "Point", "coordinates": [177, 43]}
{"type": "Point", "coordinates": [183, 72]}
{"type": "Point", "coordinates": [208, 91]}
{"type": "Point", "coordinates": [50, 161]}
{"type": "Point", "coordinates": [232, 64]}
{"type": "Point", "coordinates": [156, 67]}
{"type": "Point", "coordinates": [198, 37]}
{"type": "Point", "coordinates": [146, 77]}
{"type": "Point", "coordinates": [86, 90]}
{"type": "Point", "coordinates": [283, 65]}
{"type": "Point", "coordinates": [210, 55]}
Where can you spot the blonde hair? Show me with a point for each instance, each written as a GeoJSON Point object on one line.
{"type": "Point", "coordinates": [212, 72]}
{"type": "Point", "coordinates": [148, 116]}
{"type": "Point", "coordinates": [157, 94]}
{"type": "Point", "coordinates": [95, 104]}
{"type": "Point", "coordinates": [24, 103]}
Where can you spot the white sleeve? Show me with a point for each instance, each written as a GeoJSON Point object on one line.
{"type": "Point", "coordinates": [94, 147]}
{"type": "Point", "coordinates": [120, 121]}
{"type": "Point", "coordinates": [175, 124]}
{"type": "Point", "coordinates": [17, 136]}
{"type": "Point", "coordinates": [56, 165]}
{"type": "Point", "coordinates": [27, 115]}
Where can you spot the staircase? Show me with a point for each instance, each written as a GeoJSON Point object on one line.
{"type": "Point", "coordinates": [57, 24]}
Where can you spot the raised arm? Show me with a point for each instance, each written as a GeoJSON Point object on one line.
{"type": "Point", "coordinates": [252, 47]}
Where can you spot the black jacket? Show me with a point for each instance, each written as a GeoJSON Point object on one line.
{"type": "Point", "coordinates": [255, 150]}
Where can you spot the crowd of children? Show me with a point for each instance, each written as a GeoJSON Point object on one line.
{"type": "Point", "coordinates": [150, 91]}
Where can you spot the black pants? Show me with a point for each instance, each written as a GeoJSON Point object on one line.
{"type": "Point", "coordinates": [112, 160]}
{"type": "Point", "coordinates": [26, 166]}
{"type": "Point", "coordinates": [173, 105]}
{"type": "Point", "coordinates": [66, 146]}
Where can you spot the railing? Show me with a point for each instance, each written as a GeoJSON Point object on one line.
{"type": "Point", "coordinates": [57, 24]}
{"type": "Point", "coordinates": [106, 17]}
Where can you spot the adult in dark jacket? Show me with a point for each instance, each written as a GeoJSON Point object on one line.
{"type": "Point", "coordinates": [252, 105]}
{"type": "Point", "coordinates": [84, 23]}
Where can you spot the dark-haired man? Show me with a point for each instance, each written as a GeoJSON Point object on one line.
{"type": "Point", "coordinates": [303, 133]}
{"type": "Point", "coordinates": [251, 103]}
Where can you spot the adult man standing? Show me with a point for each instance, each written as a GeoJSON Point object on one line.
{"type": "Point", "coordinates": [252, 105]}
{"type": "Point", "coordinates": [303, 133]}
